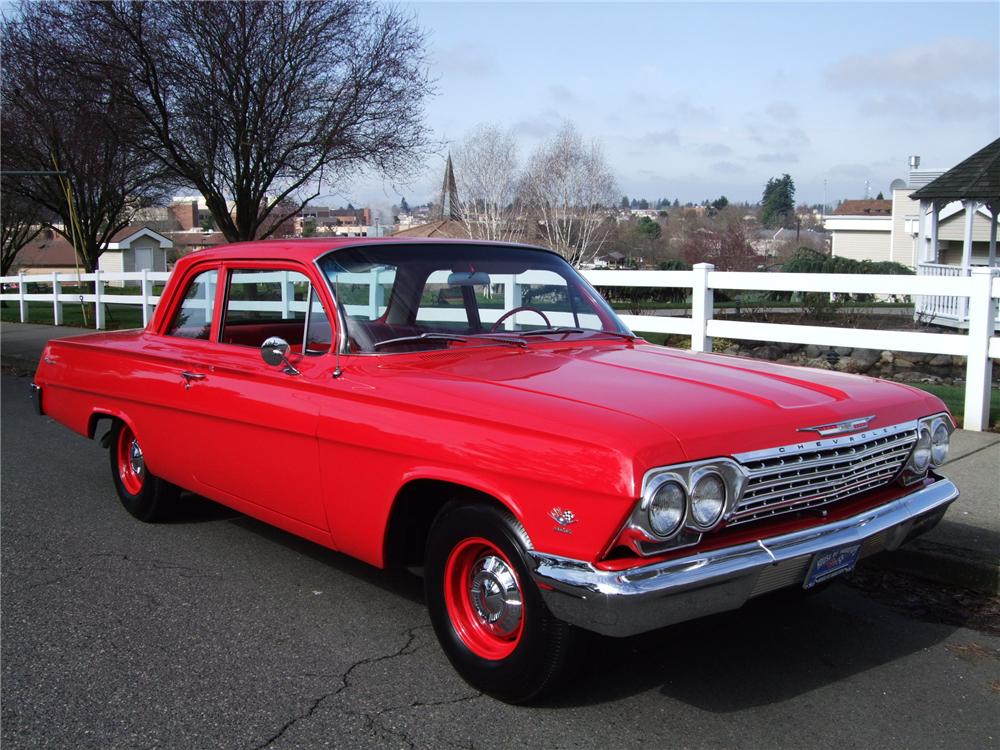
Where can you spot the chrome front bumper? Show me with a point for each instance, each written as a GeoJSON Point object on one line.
{"type": "Point", "coordinates": [636, 600]}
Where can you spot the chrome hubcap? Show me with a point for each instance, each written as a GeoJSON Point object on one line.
{"type": "Point", "coordinates": [495, 595]}
{"type": "Point", "coordinates": [135, 459]}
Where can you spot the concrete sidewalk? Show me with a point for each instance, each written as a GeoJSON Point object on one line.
{"type": "Point", "coordinates": [963, 550]}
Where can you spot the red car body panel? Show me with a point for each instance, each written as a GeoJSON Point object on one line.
{"type": "Point", "coordinates": [553, 424]}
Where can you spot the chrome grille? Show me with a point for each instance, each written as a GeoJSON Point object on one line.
{"type": "Point", "coordinates": [819, 472]}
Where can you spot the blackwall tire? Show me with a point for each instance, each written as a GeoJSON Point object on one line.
{"type": "Point", "coordinates": [143, 495]}
{"type": "Point", "coordinates": [486, 611]}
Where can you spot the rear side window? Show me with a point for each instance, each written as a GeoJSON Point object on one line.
{"type": "Point", "coordinates": [193, 319]}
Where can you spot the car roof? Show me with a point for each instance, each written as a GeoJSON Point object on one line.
{"type": "Point", "coordinates": [305, 250]}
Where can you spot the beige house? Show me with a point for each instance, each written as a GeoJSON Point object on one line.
{"type": "Point", "coordinates": [135, 249]}
{"type": "Point", "coordinates": [889, 230]}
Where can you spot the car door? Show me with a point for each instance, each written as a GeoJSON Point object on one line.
{"type": "Point", "coordinates": [246, 430]}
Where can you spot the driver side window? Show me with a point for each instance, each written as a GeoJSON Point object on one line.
{"type": "Point", "coordinates": [261, 303]}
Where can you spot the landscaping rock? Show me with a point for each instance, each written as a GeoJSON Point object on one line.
{"type": "Point", "coordinates": [940, 360]}
{"type": "Point", "coordinates": [887, 357]}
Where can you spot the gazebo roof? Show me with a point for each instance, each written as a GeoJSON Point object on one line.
{"type": "Point", "coordinates": [977, 177]}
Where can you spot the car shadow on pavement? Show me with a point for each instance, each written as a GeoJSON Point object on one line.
{"type": "Point", "coordinates": [394, 581]}
{"type": "Point", "coordinates": [767, 652]}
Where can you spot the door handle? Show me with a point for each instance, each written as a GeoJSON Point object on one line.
{"type": "Point", "coordinates": [189, 376]}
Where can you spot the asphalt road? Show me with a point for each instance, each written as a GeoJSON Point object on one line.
{"type": "Point", "coordinates": [217, 631]}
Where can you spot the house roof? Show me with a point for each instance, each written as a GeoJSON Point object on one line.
{"type": "Point", "coordinates": [864, 208]}
{"type": "Point", "coordinates": [46, 252]}
{"type": "Point", "coordinates": [125, 236]}
{"type": "Point", "coordinates": [977, 177]}
{"type": "Point", "coordinates": [444, 228]}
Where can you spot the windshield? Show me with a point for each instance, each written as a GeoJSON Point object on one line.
{"type": "Point", "coordinates": [400, 297]}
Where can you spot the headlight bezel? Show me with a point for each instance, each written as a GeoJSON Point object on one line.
{"type": "Point", "coordinates": [913, 472]}
{"type": "Point", "coordinates": [689, 531]}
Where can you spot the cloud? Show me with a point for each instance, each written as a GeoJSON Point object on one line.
{"type": "Point", "coordinates": [466, 60]}
{"type": "Point", "coordinates": [782, 110]}
{"type": "Point", "coordinates": [920, 66]}
{"type": "Point", "coordinates": [660, 138]}
{"type": "Point", "coordinates": [777, 138]}
{"type": "Point", "coordinates": [729, 167]}
{"type": "Point", "coordinates": [778, 158]}
{"type": "Point", "coordinates": [713, 149]}
{"type": "Point", "coordinates": [541, 125]}
{"type": "Point", "coordinates": [562, 94]}
{"type": "Point", "coordinates": [688, 111]}
{"type": "Point", "coordinates": [851, 171]}
{"type": "Point", "coordinates": [943, 106]}
{"type": "Point", "coordinates": [675, 109]}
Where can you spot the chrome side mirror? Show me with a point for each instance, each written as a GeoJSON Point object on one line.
{"type": "Point", "coordinates": [274, 351]}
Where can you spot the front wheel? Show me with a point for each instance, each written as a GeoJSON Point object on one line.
{"type": "Point", "coordinates": [145, 496]}
{"type": "Point", "coordinates": [486, 611]}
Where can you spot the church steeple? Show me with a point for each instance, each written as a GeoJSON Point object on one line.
{"type": "Point", "coordinates": [449, 194]}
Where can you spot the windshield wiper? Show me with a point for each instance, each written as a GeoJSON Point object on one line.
{"type": "Point", "coordinates": [431, 336]}
{"type": "Point", "coordinates": [571, 329]}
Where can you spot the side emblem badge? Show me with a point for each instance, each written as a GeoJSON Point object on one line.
{"type": "Point", "coordinates": [565, 519]}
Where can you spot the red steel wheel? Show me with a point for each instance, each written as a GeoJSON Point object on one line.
{"type": "Point", "coordinates": [484, 599]}
{"type": "Point", "coordinates": [144, 495]}
{"type": "Point", "coordinates": [131, 466]}
{"type": "Point", "coordinates": [488, 614]}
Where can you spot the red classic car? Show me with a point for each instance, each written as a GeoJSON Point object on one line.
{"type": "Point", "coordinates": [478, 411]}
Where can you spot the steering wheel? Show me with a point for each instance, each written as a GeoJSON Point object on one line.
{"type": "Point", "coordinates": [524, 308]}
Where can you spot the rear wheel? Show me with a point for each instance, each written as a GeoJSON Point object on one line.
{"type": "Point", "coordinates": [145, 496]}
{"type": "Point", "coordinates": [487, 612]}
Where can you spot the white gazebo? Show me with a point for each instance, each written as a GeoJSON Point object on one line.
{"type": "Point", "coordinates": [972, 187]}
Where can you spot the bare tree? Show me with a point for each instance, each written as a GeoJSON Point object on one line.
{"type": "Point", "coordinates": [487, 174]}
{"type": "Point", "coordinates": [262, 102]}
{"type": "Point", "coordinates": [20, 223]}
{"type": "Point", "coordinates": [570, 187]}
{"type": "Point", "coordinates": [56, 118]}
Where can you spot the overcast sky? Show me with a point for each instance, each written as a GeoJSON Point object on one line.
{"type": "Point", "coordinates": [697, 100]}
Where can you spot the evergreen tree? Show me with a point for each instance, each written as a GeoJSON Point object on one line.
{"type": "Point", "coordinates": [624, 204]}
{"type": "Point", "coordinates": [403, 205]}
{"type": "Point", "coordinates": [778, 202]}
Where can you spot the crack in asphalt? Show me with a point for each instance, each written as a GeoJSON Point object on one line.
{"type": "Point", "coordinates": [373, 724]}
{"type": "Point", "coordinates": [345, 683]}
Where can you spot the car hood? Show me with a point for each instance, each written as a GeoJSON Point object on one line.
{"type": "Point", "coordinates": [710, 404]}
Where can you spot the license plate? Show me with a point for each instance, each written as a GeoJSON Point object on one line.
{"type": "Point", "coordinates": [826, 565]}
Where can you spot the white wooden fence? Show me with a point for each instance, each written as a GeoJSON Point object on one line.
{"type": "Point", "coordinates": [981, 289]}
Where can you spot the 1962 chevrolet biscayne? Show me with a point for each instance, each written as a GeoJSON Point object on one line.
{"type": "Point", "coordinates": [478, 411]}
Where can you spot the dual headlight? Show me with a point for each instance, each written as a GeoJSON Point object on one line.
{"type": "Point", "coordinates": [694, 496]}
{"type": "Point", "coordinates": [931, 448]}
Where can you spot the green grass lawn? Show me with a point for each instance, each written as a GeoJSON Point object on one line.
{"type": "Point", "coordinates": [954, 398]}
{"type": "Point", "coordinates": [117, 317]}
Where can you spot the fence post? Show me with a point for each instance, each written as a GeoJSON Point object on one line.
{"type": "Point", "coordinates": [374, 296]}
{"type": "Point", "coordinates": [702, 303]}
{"type": "Point", "coordinates": [98, 307]}
{"type": "Point", "coordinates": [21, 301]}
{"type": "Point", "coordinates": [979, 366]}
{"type": "Point", "coordinates": [147, 292]}
{"type": "Point", "coordinates": [57, 311]}
{"type": "Point", "coordinates": [287, 296]}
